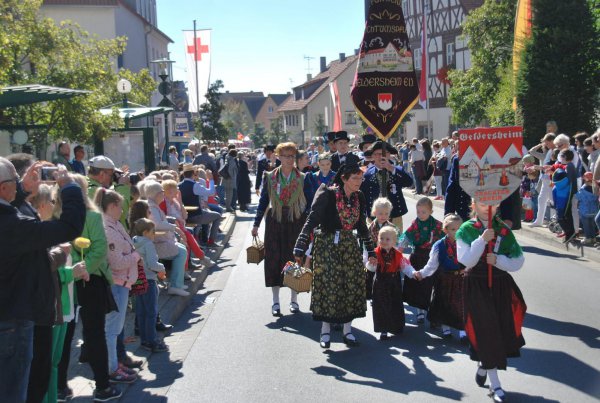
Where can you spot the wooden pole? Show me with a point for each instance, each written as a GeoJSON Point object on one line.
{"type": "Point", "coordinates": [490, 247]}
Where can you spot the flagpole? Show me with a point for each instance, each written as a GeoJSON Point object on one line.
{"type": "Point", "coordinates": [196, 68]}
{"type": "Point", "coordinates": [426, 12]}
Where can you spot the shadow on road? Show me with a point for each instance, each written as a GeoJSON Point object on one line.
{"type": "Point", "coordinates": [589, 335]}
{"type": "Point", "coordinates": [378, 360]}
{"type": "Point", "coordinates": [575, 374]}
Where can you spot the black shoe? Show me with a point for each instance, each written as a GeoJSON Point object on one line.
{"type": "Point", "coordinates": [420, 317]}
{"type": "Point", "coordinates": [161, 327]}
{"type": "Point", "coordinates": [384, 336]}
{"type": "Point", "coordinates": [447, 334]}
{"type": "Point", "coordinates": [64, 395]}
{"type": "Point", "coordinates": [498, 395]}
{"type": "Point", "coordinates": [108, 394]}
{"type": "Point", "coordinates": [294, 308]}
{"type": "Point", "coordinates": [325, 344]}
{"type": "Point", "coordinates": [276, 310]}
{"type": "Point", "coordinates": [480, 379]}
{"type": "Point", "coordinates": [349, 342]}
{"type": "Point", "coordinates": [464, 340]}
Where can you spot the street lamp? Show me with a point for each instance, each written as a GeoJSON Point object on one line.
{"type": "Point", "coordinates": [165, 88]}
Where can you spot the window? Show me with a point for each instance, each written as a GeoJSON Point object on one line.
{"type": "Point", "coordinates": [449, 53]}
{"type": "Point", "coordinates": [417, 54]}
{"type": "Point", "coordinates": [422, 130]}
{"type": "Point", "coordinates": [405, 8]}
{"type": "Point", "coordinates": [350, 118]}
{"type": "Point", "coordinates": [270, 109]}
{"type": "Point", "coordinates": [119, 61]}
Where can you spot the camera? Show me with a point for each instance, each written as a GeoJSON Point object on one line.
{"type": "Point", "coordinates": [47, 174]}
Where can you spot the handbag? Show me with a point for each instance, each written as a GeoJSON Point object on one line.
{"type": "Point", "coordinates": [255, 253]}
{"type": "Point", "coordinates": [141, 285]}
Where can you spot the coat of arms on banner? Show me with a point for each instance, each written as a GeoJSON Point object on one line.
{"type": "Point", "coordinates": [384, 101]}
{"type": "Point", "coordinates": [490, 162]}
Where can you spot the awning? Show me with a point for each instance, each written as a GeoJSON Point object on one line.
{"type": "Point", "coordinates": [135, 113]}
{"type": "Point", "coordinates": [34, 93]}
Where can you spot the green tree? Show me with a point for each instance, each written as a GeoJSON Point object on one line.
{"type": "Point", "coordinates": [235, 118]}
{"type": "Point", "coordinates": [276, 134]}
{"type": "Point", "coordinates": [320, 126]}
{"type": "Point", "coordinates": [489, 30]}
{"type": "Point", "coordinates": [559, 79]}
{"type": "Point", "coordinates": [259, 137]}
{"type": "Point", "coordinates": [208, 123]}
{"type": "Point", "coordinates": [34, 49]}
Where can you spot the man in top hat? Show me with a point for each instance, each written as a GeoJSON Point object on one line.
{"type": "Point", "coordinates": [330, 136]}
{"type": "Point", "coordinates": [366, 142]}
{"type": "Point", "coordinates": [342, 155]}
{"type": "Point", "coordinates": [385, 179]}
{"type": "Point", "coordinates": [268, 163]}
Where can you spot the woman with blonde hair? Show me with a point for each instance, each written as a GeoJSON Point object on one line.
{"type": "Point", "coordinates": [284, 199]}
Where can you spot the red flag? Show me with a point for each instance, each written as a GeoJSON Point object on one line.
{"type": "Point", "coordinates": [424, 66]}
{"type": "Point", "coordinates": [240, 136]}
{"type": "Point", "coordinates": [337, 112]}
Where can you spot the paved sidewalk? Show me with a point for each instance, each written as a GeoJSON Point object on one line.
{"type": "Point", "coordinates": [81, 378]}
{"type": "Point", "coordinates": [541, 234]}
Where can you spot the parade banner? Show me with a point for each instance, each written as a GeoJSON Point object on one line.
{"type": "Point", "coordinates": [385, 86]}
{"type": "Point", "coordinates": [197, 60]}
{"type": "Point", "coordinates": [490, 165]}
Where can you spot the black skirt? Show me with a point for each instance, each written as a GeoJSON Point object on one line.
{"type": "Point", "coordinates": [388, 307]}
{"type": "Point", "coordinates": [418, 293]}
{"type": "Point", "coordinates": [338, 289]}
{"type": "Point", "coordinates": [447, 302]}
{"type": "Point", "coordinates": [493, 317]}
{"type": "Point", "coordinates": [280, 238]}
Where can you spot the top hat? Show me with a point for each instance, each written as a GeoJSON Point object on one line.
{"type": "Point", "coordinates": [367, 139]}
{"type": "Point", "coordinates": [341, 135]}
{"type": "Point", "coordinates": [330, 136]}
{"type": "Point", "coordinates": [378, 145]}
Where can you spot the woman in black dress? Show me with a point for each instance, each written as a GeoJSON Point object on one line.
{"type": "Point", "coordinates": [338, 289]}
{"type": "Point", "coordinates": [284, 199]}
{"type": "Point", "coordinates": [243, 183]}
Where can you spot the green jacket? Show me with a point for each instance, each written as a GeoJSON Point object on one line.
{"type": "Point", "coordinates": [95, 256]}
{"type": "Point", "coordinates": [123, 190]}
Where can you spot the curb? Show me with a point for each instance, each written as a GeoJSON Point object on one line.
{"type": "Point", "coordinates": [173, 307]}
{"type": "Point", "coordinates": [541, 234]}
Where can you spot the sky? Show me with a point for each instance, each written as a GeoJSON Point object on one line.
{"type": "Point", "coordinates": [260, 45]}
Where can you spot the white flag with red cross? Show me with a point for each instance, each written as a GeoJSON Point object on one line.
{"type": "Point", "coordinates": [197, 58]}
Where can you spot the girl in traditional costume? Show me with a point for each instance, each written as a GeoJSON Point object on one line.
{"type": "Point", "coordinates": [382, 208]}
{"type": "Point", "coordinates": [447, 301]}
{"type": "Point", "coordinates": [493, 312]}
{"type": "Point", "coordinates": [284, 199]}
{"type": "Point", "coordinates": [388, 306]}
{"type": "Point", "coordinates": [421, 235]}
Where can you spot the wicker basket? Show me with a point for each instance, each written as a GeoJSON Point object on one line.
{"type": "Point", "coordinates": [297, 278]}
{"type": "Point", "coordinates": [256, 252]}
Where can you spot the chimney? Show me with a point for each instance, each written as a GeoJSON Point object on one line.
{"type": "Point", "coordinates": [356, 52]}
{"type": "Point", "coordinates": [308, 77]}
{"type": "Point", "coordinates": [323, 64]}
{"type": "Point", "coordinates": [342, 57]}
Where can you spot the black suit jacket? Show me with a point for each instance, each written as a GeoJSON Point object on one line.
{"type": "Point", "coordinates": [264, 165]}
{"type": "Point", "coordinates": [350, 158]}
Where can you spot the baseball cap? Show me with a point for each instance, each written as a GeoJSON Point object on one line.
{"type": "Point", "coordinates": [101, 162]}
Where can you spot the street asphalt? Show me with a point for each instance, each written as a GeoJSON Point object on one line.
{"type": "Point", "coordinates": [233, 350]}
